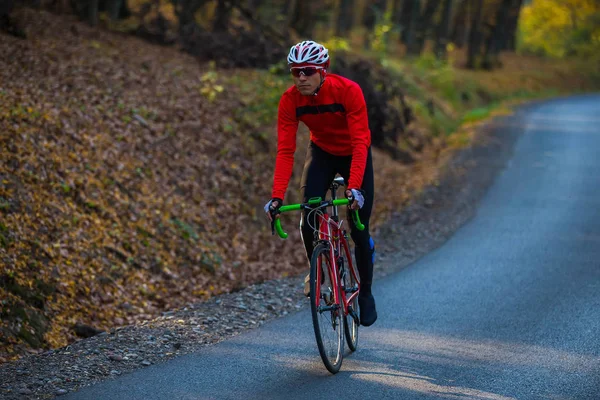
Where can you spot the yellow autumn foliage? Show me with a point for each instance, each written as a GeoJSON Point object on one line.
{"type": "Point", "coordinates": [561, 28]}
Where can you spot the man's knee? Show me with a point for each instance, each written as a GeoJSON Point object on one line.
{"type": "Point", "coordinates": [306, 235]}
{"type": "Point", "coordinates": [365, 245]}
{"type": "Point", "coordinates": [361, 239]}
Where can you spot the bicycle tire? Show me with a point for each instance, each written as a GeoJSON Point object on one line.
{"type": "Point", "coordinates": [350, 285]}
{"type": "Point", "coordinates": [327, 324]}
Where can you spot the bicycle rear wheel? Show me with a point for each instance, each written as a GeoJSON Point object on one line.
{"type": "Point", "coordinates": [326, 313]}
{"type": "Point", "coordinates": [350, 286]}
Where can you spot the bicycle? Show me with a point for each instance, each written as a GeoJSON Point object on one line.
{"type": "Point", "coordinates": [334, 278]}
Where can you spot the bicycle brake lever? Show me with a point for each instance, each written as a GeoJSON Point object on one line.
{"type": "Point", "coordinates": [274, 213]}
{"type": "Point", "coordinates": [350, 199]}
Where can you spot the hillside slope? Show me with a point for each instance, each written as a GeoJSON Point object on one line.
{"type": "Point", "coordinates": [128, 187]}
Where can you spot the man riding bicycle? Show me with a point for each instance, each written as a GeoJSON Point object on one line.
{"type": "Point", "coordinates": [334, 110]}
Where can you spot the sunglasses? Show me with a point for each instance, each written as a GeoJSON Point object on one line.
{"type": "Point", "coordinates": [306, 71]}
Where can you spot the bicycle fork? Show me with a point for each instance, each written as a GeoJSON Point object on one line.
{"type": "Point", "coordinates": [347, 291]}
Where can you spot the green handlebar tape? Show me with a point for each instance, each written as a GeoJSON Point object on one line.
{"type": "Point", "coordinates": [291, 207]}
{"type": "Point", "coordinates": [279, 229]}
{"type": "Point", "coordinates": [294, 207]}
{"type": "Point", "coordinates": [355, 217]}
{"type": "Point", "coordinates": [357, 222]}
{"type": "Point", "coordinates": [282, 209]}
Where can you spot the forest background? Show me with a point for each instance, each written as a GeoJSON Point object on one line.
{"type": "Point", "coordinates": [138, 138]}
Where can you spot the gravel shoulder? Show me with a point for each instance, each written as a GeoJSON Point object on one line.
{"type": "Point", "coordinates": [419, 228]}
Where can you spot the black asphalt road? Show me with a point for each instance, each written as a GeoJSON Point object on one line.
{"type": "Point", "coordinates": [508, 308]}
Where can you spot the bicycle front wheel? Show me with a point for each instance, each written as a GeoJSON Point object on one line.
{"type": "Point", "coordinates": [350, 286]}
{"type": "Point", "coordinates": [326, 312]}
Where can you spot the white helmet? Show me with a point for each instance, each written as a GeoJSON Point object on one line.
{"type": "Point", "coordinates": [308, 52]}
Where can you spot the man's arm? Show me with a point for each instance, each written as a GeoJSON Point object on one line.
{"type": "Point", "coordinates": [360, 135]}
{"type": "Point", "coordinates": [287, 126]}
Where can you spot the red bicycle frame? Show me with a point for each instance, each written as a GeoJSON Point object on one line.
{"type": "Point", "coordinates": [330, 231]}
{"type": "Point", "coordinates": [334, 302]}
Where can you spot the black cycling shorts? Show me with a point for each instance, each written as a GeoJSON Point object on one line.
{"type": "Point", "coordinates": [320, 168]}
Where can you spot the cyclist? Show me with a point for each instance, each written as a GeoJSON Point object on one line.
{"type": "Point", "coordinates": [334, 110]}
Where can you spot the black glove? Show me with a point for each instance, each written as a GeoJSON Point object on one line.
{"type": "Point", "coordinates": [273, 210]}
{"type": "Point", "coordinates": [356, 194]}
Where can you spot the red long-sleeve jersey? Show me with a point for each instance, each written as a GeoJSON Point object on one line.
{"type": "Point", "coordinates": [338, 123]}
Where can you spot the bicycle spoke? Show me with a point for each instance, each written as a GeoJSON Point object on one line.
{"type": "Point", "coordinates": [327, 316]}
{"type": "Point", "coordinates": [350, 284]}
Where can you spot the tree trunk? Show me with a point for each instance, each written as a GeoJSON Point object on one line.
{"type": "Point", "coordinates": [396, 18]}
{"type": "Point", "coordinates": [92, 12]}
{"type": "Point", "coordinates": [403, 18]}
{"type": "Point", "coordinates": [345, 17]}
{"type": "Point", "coordinates": [292, 12]}
{"type": "Point", "coordinates": [300, 18]}
{"type": "Point", "coordinates": [114, 8]}
{"type": "Point", "coordinates": [185, 10]}
{"type": "Point", "coordinates": [496, 36]}
{"type": "Point", "coordinates": [334, 18]}
{"type": "Point", "coordinates": [441, 40]}
{"type": "Point", "coordinates": [7, 24]}
{"type": "Point", "coordinates": [397, 11]}
{"type": "Point", "coordinates": [473, 52]}
{"type": "Point", "coordinates": [222, 15]}
{"type": "Point", "coordinates": [510, 41]}
{"type": "Point", "coordinates": [378, 9]}
{"type": "Point", "coordinates": [254, 4]}
{"type": "Point", "coordinates": [415, 11]}
{"type": "Point", "coordinates": [6, 7]}
{"type": "Point", "coordinates": [369, 21]}
{"type": "Point", "coordinates": [390, 7]}
{"type": "Point", "coordinates": [358, 14]}
{"type": "Point", "coordinates": [461, 24]}
{"type": "Point", "coordinates": [423, 26]}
